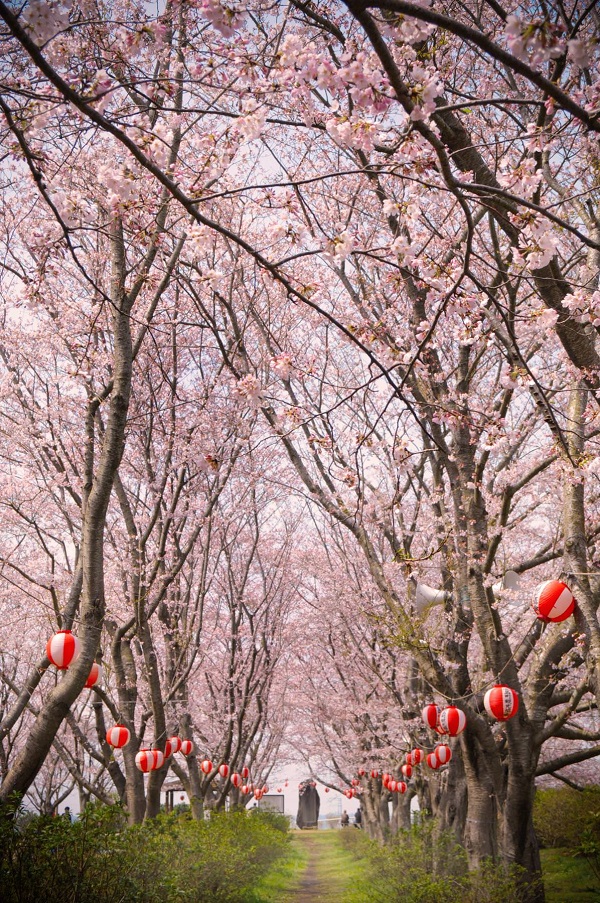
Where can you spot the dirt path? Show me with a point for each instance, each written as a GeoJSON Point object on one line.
{"type": "Point", "coordinates": [312, 887]}
{"type": "Point", "coordinates": [324, 879]}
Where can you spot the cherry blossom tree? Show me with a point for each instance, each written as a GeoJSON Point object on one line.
{"type": "Point", "coordinates": [393, 216]}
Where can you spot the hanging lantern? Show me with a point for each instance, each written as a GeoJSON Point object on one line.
{"type": "Point", "coordinates": [355, 782]}
{"type": "Point", "coordinates": [452, 720]}
{"type": "Point", "coordinates": [554, 601]}
{"type": "Point", "coordinates": [392, 785]}
{"type": "Point", "coordinates": [430, 716]}
{"type": "Point", "coordinates": [245, 789]}
{"type": "Point", "coordinates": [279, 789]}
{"type": "Point", "coordinates": [408, 758]}
{"type": "Point", "coordinates": [224, 770]}
{"type": "Point", "coordinates": [144, 760]}
{"type": "Point", "coordinates": [168, 749]}
{"type": "Point", "coordinates": [374, 773]}
{"type": "Point", "coordinates": [443, 753]}
{"type": "Point", "coordinates": [236, 779]}
{"type": "Point", "coordinates": [159, 759]}
{"type": "Point", "coordinates": [186, 747]}
{"type": "Point", "coordinates": [95, 675]}
{"type": "Point", "coordinates": [501, 702]}
{"type": "Point", "coordinates": [258, 794]}
{"type": "Point", "coordinates": [348, 793]}
{"type": "Point", "coordinates": [206, 766]}
{"type": "Point", "coordinates": [407, 771]}
{"type": "Point", "coordinates": [401, 787]}
{"type": "Point", "coordinates": [361, 772]}
{"type": "Point", "coordinates": [245, 772]}
{"type": "Point", "coordinates": [63, 649]}
{"type": "Point", "coordinates": [417, 756]}
{"type": "Point", "coordinates": [176, 743]}
{"type": "Point", "coordinates": [433, 761]}
{"type": "Point", "coordinates": [327, 790]}
{"type": "Point", "coordinates": [118, 736]}
{"type": "Point", "coordinates": [264, 789]}
{"type": "Point", "coordinates": [286, 784]}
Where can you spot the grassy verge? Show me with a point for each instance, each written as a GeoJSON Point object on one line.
{"type": "Point", "coordinates": [568, 878]}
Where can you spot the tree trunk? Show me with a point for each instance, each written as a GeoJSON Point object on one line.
{"type": "Point", "coordinates": [450, 799]}
{"type": "Point", "coordinates": [97, 491]}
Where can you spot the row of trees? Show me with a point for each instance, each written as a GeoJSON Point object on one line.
{"type": "Point", "coordinates": [300, 307]}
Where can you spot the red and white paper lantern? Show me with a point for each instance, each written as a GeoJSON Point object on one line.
{"type": "Point", "coordinates": [417, 756]}
{"type": "Point", "coordinates": [245, 789]}
{"type": "Point", "coordinates": [433, 761]}
{"type": "Point", "coordinates": [452, 720]}
{"type": "Point", "coordinates": [63, 649]}
{"type": "Point", "coordinates": [443, 753]}
{"type": "Point", "coordinates": [245, 772]}
{"type": "Point", "coordinates": [149, 760]}
{"type": "Point", "coordinates": [430, 716]}
{"type": "Point", "coordinates": [374, 773]}
{"type": "Point", "coordinates": [224, 770]}
{"type": "Point", "coordinates": [407, 771]}
{"type": "Point", "coordinates": [186, 747]}
{"type": "Point", "coordinates": [401, 787]}
{"type": "Point", "coordinates": [236, 779]}
{"type": "Point", "coordinates": [95, 675]}
{"type": "Point", "coordinates": [176, 743]}
{"type": "Point", "coordinates": [501, 702]}
{"type": "Point", "coordinates": [118, 736]}
{"type": "Point", "coordinates": [554, 601]}
{"type": "Point", "coordinates": [392, 785]}
{"type": "Point", "coordinates": [206, 766]}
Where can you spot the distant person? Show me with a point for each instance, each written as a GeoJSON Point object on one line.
{"type": "Point", "coordinates": [358, 818]}
{"type": "Point", "coordinates": [67, 814]}
{"type": "Point", "coordinates": [345, 819]}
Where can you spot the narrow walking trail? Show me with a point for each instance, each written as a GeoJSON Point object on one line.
{"type": "Point", "coordinates": [330, 870]}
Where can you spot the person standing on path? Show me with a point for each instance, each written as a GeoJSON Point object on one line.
{"type": "Point", "coordinates": [358, 818]}
{"type": "Point", "coordinates": [345, 819]}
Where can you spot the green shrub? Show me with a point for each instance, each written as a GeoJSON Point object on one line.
{"type": "Point", "coordinates": [562, 816]}
{"type": "Point", "coordinates": [168, 859]}
{"type": "Point", "coordinates": [417, 866]}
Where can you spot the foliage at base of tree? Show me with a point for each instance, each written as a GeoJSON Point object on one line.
{"type": "Point", "coordinates": [418, 867]}
{"type": "Point", "coordinates": [562, 816]}
{"type": "Point", "coordinates": [569, 818]}
{"type": "Point", "coordinates": [170, 858]}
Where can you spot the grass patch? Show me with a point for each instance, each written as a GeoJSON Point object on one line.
{"type": "Point", "coordinates": [568, 878]}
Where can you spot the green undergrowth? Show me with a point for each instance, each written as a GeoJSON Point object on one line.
{"type": "Point", "coordinates": [415, 867]}
{"type": "Point", "coordinates": [568, 878]}
{"type": "Point", "coordinates": [172, 858]}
